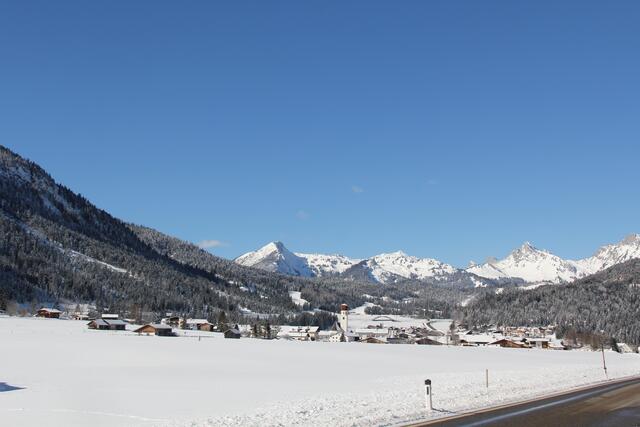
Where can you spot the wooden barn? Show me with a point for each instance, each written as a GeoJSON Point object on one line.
{"type": "Point", "coordinates": [505, 343]}
{"type": "Point", "coordinates": [107, 325]}
{"type": "Point", "coordinates": [372, 340]}
{"type": "Point", "coordinates": [49, 313]}
{"type": "Point", "coordinates": [538, 342]}
{"type": "Point", "coordinates": [232, 333]}
{"type": "Point", "coordinates": [199, 325]}
{"type": "Point", "coordinates": [155, 329]}
{"type": "Point", "coordinates": [427, 341]}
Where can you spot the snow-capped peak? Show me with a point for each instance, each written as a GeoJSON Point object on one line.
{"type": "Point", "coordinates": [526, 262]}
{"type": "Point", "coordinates": [609, 255]}
{"type": "Point", "coordinates": [530, 264]}
{"type": "Point", "coordinates": [536, 265]}
{"type": "Point", "coordinates": [276, 257]}
{"type": "Point", "coordinates": [383, 268]}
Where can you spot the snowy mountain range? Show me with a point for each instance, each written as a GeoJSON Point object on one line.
{"type": "Point", "coordinates": [383, 268]}
{"type": "Point", "coordinates": [526, 263]}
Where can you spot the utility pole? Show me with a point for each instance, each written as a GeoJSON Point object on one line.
{"type": "Point", "coordinates": [604, 363]}
{"type": "Point", "coordinates": [487, 378]}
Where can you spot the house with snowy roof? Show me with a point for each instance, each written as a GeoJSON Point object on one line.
{"type": "Point", "coordinates": [49, 313]}
{"type": "Point", "coordinates": [476, 340]}
{"type": "Point", "coordinates": [155, 329]}
{"type": "Point", "coordinates": [299, 333]}
{"type": "Point", "coordinates": [108, 325]}
{"type": "Point", "coordinates": [364, 333]}
{"type": "Point", "coordinates": [199, 325]}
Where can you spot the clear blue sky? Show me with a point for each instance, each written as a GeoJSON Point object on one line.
{"type": "Point", "coordinates": [454, 130]}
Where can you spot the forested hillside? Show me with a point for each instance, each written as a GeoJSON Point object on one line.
{"type": "Point", "coordinates": [607, 301]}
{"type": "Point", "coordinates": [57, 246]}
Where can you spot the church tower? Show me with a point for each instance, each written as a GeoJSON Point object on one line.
{"type": "Point", "coordinates": [344, 317]}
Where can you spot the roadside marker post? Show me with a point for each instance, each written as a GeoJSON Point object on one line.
{"type": "Point", "coordinates": [427, 395]}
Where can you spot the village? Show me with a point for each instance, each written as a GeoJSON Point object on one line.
{"type": "Point", "coordinates": [217, 367]}
{"type": "Point", "coordinates": [352, 326]}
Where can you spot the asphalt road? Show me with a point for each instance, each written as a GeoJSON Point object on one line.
{"type": "Point", "coordinates": [608, 405]}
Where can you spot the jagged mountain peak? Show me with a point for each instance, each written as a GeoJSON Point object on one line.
{"type": "Point", "coordinates": [382, 268]}
{"type": "Point", "coordinates": [274, 256]}
{"type": "Point", "coordinates": [631, 239]}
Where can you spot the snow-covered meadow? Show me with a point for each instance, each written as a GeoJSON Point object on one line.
{"type": "Point", "coordinates": [59, 373]}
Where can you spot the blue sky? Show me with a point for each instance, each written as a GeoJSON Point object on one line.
{"type": "Point", "coordinates": [454, 130]}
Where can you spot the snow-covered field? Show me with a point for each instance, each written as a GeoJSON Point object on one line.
{"type": "Point", "coordinates": [69, 376]}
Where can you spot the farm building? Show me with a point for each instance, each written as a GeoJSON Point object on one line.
{"type": "Point", "coordinates": [155, 329]}
{"type": "Point", "coordinates": [626, 348]}
{"type": "Point", "coordinates": [107, 325]}
{"type": "Point", "coordinates": [427, 341]}
{"type": "Point", "coordinates": [110, 316]}
{"type": "Point", "coordinates": [171, 321]}
{"type": "Point", "coordinates": [233, 333]}
{"type": "Point", "coordinates": [81, 316]}
{"type": "Point", "coordinates": [300, 333]}
{"type": "Point", "coordinates": [476, 340]}
{"type": "Point", "coordinates": [199, 325]}
{"type": "Point", "coordinates": [49, 313]}
{"type": "Point", "coordinates": [372, 332]}
{"type": "Point", "coordinates": [372, 340]}
{"type": "Point", "coordinates": [505, 343]}
{"type": "Point", "coordinates": [331, 336]}
{"type": "Point", "coordinates": [538, 342]}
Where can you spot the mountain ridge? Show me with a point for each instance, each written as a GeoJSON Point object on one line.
{"type": "Point", "coordinates": [527, 263]}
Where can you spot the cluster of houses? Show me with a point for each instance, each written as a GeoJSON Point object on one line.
{"type": "Point", "coordinates": [380, 330]}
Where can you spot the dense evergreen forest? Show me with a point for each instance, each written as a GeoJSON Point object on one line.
{"type": "Point", "coordinates": [607, 302]}
{"type": "Point", "coordinates": [58, 247]}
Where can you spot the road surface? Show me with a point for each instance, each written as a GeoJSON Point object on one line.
{"type": "Point", "coordinates": [607, 405]}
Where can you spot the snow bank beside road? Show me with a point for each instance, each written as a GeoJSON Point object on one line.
{"type": "Point", "coordinates": [74, 377]}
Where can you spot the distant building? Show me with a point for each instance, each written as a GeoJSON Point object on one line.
{"type": "Point", "coordinates": [233, 333]}
{"type": "Point", "coordinates": [626, 348]}
{"type": "Point", "coordinates": [155, 329]}
{"type": "Point", "coordinates": [373, 340]}
{"type": "Point", "coordinates": [171, 321]}
{"type": "Point", "coordinates": [108, 325]}
{"type": "Point", "coordinates": [505, 343]}
{"type": "Point", "coordinates": [199, 325]}
{"type": "Point", "coordinates": [365, 333]}
{"type": "Point", "coordinates": [331, 336]}
{"type": "Point", "coordinates": [81, 316]}
{"type": "Point", "coordinates": [538, 342]}
{"type": "Point", "coordinates": [300, 333]}
{"type": "Point", "coordinates": [110, 316]}
{"type": "Point", "coordinates": [427, 341]}
{"type": "Point", "coordinates": [476, 340]}
{"type": "Point", "coordinates": [49, 313]}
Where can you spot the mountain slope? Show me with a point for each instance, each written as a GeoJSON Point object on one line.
{"type": "Point", "coordinates": [607, 301]}
{"type": "Point", "coordinates": [58, 246]}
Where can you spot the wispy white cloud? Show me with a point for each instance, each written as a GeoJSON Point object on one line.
{"type": "Point", "coordinates": [357, 189]}
{"type": "Point", "coordinates": [302, 215]}
{"type": "Point", "coordinates": [208, 244]}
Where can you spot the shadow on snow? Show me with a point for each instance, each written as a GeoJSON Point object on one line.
{"type": "Point", "coordinates": [6, 387]}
